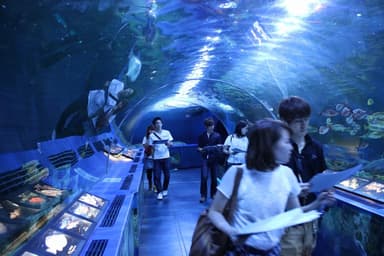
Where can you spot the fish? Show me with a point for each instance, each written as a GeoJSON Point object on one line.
{"type": "Point", "coordinates": [376, 122]}
{"type": "Point", "coordinates": [373, 135]}
{"type": "Point", "coordinates": [329, 112]}
{"type": "Point", "coordinates": [349, 120]}
{"type": "Point", "coordinates": [323, 130]}
{"type": "Point", "coordinates": [339, 128]}
{"type": "Point", "coordinates": [134, 65]}
{"type": "Point", "coordinates": [359, 114]}
{"type": "Point", "coordinates": [345, 112]}
{"type": "Point", "coordinates": [339, 106]}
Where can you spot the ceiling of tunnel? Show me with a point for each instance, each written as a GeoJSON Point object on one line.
{"type": "Point", "coordinates": [235, 58]}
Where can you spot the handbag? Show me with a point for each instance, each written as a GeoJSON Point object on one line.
{"type": "Point", "coordinates": [148, 150]}
{"type": "Point", "coordinates": [207, 240]}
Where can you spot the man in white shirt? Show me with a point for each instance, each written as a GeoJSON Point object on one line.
{"type": "Point", "coordinates": [161, 140]}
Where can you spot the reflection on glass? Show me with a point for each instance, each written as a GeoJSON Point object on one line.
{"type": "Point", "coordinates": [92, 200]}
{"type": "Point", "coordinates": [74, 224]}
{"type": "Point", "coordinates": [84, 210]}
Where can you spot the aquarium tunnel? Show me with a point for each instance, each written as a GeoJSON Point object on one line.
{"type": "Point", "coordinates": [81, 80]}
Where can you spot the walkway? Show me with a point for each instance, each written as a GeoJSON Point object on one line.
{"type": "Point", "coordinates": [167, 225]}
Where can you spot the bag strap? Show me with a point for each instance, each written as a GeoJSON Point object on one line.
{"type": "Point", "coordinates": [228, 210]}
{"type": "Point", "coordinates": [154, 133]}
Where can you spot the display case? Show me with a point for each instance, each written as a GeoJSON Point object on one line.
{"type": "Point", "coordinates": [67, 232]}
{"type": "Point", "coordinates": [369, 182]}
{"type": "Point", "coordinates": [26, 206]}
{"type": "Point", "coordinates": [53, 199]}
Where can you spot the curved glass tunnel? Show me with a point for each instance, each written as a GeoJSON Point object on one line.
{"type": "Point", "coordinates": [186, 60]}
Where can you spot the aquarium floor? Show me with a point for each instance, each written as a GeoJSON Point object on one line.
{"type": "Point", "coordinates": [167, 225]}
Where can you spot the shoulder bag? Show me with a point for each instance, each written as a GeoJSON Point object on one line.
{"type": "Point", "coordinates": [207, 240]}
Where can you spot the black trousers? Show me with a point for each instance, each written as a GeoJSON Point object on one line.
{"type": "Point", "coordinates": [162, 165]}
{"type": "Point", "coordinates": [208, 168]}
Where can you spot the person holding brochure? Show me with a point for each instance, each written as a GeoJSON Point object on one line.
{"type": "Point", "coordinates": [161, 140]}
{"type": "Point", "coordinates": [235, 145]}
{"type": "Point", "coordinates": [267, 188]}
{"type": "Point", "coordinates": [307, 160]}
{"type": "Point", "coordinates": [207, 145]}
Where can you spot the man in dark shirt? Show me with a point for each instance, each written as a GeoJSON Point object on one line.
{"type": "Point", "coordinates": [207, 145]}
{"type": "Point", "coordinates": [307, 159]}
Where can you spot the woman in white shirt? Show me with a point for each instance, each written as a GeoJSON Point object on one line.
{"type": "Point", "coordinates": [236, 144]}
{"type": "Point", "coordinates": [267, 188]}
{"type": "Point", "coordinates": [148, 158]}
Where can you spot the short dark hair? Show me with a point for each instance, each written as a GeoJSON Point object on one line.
{"type": "Point", "coordinates": [262, 138]}
{"type": "Point", "coordinates": [209, 122]}
{"type": "Point", "coordinates": [292, 108]}
{"type": "Point", "coordinates": [240, 125]}
{"type": "Point", "coordinates": [154, 120]}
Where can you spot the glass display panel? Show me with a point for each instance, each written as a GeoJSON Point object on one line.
{"type": "Point", "coordinates": [73, 224]}
{"type": "Point", "coordinates": [92, 200]}
{"type": "Point", "coordinates": [373, 189]}
{"type": "Point", "coordinates": [54, 242]}
{"type": "Point", "coordinates": [353, 183]}
{"type": "Point", "coordinates": [84, 210]}
{"type": "Point", "coordinates": [369, 182]}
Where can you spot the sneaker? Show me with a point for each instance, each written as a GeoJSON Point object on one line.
{"type": "Point", "coordinates": [160, 196]}
{"type": "Point", "coordinates": [154, 189]}
{"type": "Point", "coordinates": [203, 199]}
{"type": "Point", "coordinates": [165, 193]}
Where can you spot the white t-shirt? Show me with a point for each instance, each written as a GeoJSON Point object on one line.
{"type": "Point", "coordinates": [146, 141]}
{"type": "Point", "coordinates": [261, 195]}
{"type": "Point", "coordinates": [161, 150]}
{"type": "Point", "coordinates": [237, 143]}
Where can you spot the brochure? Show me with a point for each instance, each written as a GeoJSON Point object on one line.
{"type": "Point", "coordinates": [283, 220]}
{"type": "Point", "coordinates": [328, 179]}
